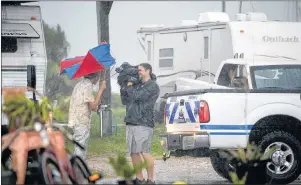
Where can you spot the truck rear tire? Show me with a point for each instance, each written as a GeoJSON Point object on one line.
{"type": "Point", "coordinates": [219, 165]}
{"type": "Point", "coordinates": [286, 158]}
{"type": "Point", "coordinates": [179, 153]}
{"type": "Point", "coordinates": [199, 152]}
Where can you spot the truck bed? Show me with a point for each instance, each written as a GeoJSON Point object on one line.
{"type": "Point", "coordinates": [203, 91]}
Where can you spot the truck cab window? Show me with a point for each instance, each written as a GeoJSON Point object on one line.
{"type": "Point", "coordinates": [9, 45]}
{"type": "Point", "coordinates": [276, 77]}
{"type": "Point", "coordinates": [226, 75]}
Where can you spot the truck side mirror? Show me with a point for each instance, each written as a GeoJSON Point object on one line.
{"type": "Point", "coordinates": [31, 76]}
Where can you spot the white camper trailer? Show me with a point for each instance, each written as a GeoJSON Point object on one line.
{"type": "Point", "coordinates": [195, 49]}
{"type": "Point", "coordinates": [22, 44]}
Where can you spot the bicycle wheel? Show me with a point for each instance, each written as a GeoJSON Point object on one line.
{"type": "Point", "coordinates": [50, 169]}
{"type": "Point", "coordinates": [81, 170]}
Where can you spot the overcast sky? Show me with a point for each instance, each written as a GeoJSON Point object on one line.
{"type": "Point", "coordinates": [78, 20]}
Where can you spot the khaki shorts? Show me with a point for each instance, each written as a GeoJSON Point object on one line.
{"type": "Point", "coordinates": [139, 139]}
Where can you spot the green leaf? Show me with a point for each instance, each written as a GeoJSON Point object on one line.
{"type": "Point", "coordinates": [234, 177]}
{"type": "Point", "coordinates": [236, 180]}
{"type": "Point", "coordinates": [122, 167]}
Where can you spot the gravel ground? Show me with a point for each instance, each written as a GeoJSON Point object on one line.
{"type": "Point", "coordinates": [188, 169]}
{"type": "Point", "coordinates": [191, 170]}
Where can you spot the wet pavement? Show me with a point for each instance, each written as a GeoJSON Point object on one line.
{"type": "Point", "coordinates": [191, 170]}
{"type": "Point", "coordinates": [187, 169]}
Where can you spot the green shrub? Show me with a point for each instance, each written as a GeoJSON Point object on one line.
{"type": "Point", "coordinates": [59, 115]}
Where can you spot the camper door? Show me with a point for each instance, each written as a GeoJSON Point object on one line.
{"type": "Point", "coordinates": [205, 59]}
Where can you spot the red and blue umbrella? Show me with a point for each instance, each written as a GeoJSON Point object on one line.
{"type": "Point", "coordinates": [97, 59]}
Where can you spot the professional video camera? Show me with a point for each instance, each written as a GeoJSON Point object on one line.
{"type": "Point", "coordinates": [127, 73]}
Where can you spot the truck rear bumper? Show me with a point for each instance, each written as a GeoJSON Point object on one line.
{"type": "Point", "coordinates": [185, 141]}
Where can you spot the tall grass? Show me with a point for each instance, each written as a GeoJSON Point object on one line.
{"type": "Point", "coordinates": [111, 145]}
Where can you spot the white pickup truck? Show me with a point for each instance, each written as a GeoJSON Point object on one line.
{"type": "Point", "coordinates": [260, 102]}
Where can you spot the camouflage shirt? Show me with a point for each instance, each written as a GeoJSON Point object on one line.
{"type": "Point", "coordinates": [79, 111]}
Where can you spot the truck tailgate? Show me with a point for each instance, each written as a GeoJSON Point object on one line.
{"type": "Point", "coordinates": [182, 109]}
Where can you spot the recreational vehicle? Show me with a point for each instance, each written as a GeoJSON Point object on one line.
{"type": "Point", "coordinates": [22, 44]}
{"type": "Point", "coordinates": [196, 48]}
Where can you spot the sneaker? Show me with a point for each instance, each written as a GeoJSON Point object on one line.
{"type": "Point", "coordinates": [140, 181]}
{"type": "Point", "coordinates": [150, 182]}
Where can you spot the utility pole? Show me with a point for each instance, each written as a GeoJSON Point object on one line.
{"type": "Point", "coordinates": [102, 11]}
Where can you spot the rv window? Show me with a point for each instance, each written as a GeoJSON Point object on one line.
{"type": "Point", "coordinates": [168, 52]}
{"type": "Point", "coordinates": [206, 49]}
{"type": "Point", "coordinates": [166, 57]}
{"type": "Point", "coordinates": [165, 62]}
{"type": "Point", "coordinates": [149, 51]}
{"type": "Point", "coordinates": [8, 45]}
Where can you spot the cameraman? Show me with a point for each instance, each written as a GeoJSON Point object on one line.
{"type": "Point", "coordinates": [140, 100]}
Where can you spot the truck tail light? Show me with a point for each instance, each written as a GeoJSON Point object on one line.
{"type": "Point", "coordinates": [204, 114]}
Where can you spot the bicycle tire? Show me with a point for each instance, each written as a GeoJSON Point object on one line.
{"type": "Point", "coordinates": [45, 170]}
{"type": "Point", "coordinates": [78, 161]}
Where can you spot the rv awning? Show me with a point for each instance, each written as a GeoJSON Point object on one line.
{"type": "Point", "coordinates": [18, 30]}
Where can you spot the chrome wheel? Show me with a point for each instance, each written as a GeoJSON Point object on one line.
{"type": "Point", "coordinates": [282, 158]}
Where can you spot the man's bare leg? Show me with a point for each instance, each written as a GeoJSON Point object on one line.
{"type": "Point", "coordinates": [136, 160]}
{"type": "Point", "coordinates": [150, 165]}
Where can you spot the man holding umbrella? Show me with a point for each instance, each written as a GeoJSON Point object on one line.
{"type": "Point", "coordinates": [82, 102]}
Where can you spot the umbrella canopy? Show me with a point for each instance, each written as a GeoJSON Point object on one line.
{"type": "Point", "coordinates": [68, 62]}
{"type": "Point", "coordinates": [70, 65]}
{"type": "Point", "coordinates": [97, 59]}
